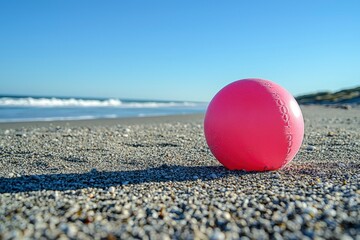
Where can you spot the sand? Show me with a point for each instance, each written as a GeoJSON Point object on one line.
{"type": "Point", "coordinates": [155, 178]}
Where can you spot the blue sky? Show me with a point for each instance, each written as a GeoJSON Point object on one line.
{"type": "Point", "coordinates": [180, 50]}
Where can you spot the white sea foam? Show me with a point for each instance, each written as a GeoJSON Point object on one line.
{"type": "Point", "coordinates": [46, 119]}
{"type": "Point", "coordinates": [73, 102]}
{"type": "Point", "coordinates": [57, 102]}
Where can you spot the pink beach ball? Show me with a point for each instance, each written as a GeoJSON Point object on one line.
{"type": "Point", "coordinates": [254, 125]}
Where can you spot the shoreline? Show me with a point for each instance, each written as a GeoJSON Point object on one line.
{"type": "Point", "coordinates": [151, 119]}
{"type": "Point", "coordinates": [105, 121]}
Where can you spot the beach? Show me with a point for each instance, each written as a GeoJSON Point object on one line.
{"type": "Point", "coordinates": [155, 178]}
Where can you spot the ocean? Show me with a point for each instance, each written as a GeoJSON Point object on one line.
{"type": "Point", "coordinates": [29, 108]}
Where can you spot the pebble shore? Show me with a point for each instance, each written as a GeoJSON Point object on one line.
{"type": "Point", "coordinates": [158, 180]}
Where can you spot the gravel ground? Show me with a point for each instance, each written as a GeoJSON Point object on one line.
{"type": "Point", "coordinates": [158, 180]}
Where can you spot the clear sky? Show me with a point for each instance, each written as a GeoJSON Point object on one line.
{"type": "Point", "coordinates": [180, 50]}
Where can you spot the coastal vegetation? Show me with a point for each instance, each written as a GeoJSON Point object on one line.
{"type": "Point", "coordinates": [349, 96]}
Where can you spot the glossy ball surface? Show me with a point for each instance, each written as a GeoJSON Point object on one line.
{"type": "Point", "coordinates": [254, 125]}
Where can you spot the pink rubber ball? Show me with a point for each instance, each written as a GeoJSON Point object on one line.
{"type": "Point", "coordinates": [254, 125]}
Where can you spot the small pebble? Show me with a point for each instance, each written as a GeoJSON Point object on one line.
{"type": "Point", "coordinates": [217, 235]}
{"type": "Point", "coordinates": [111, 189]}
{"type": "Point", "coordinates": [310, 148]}
{"type": "Point", "coordinates": [330, 134]}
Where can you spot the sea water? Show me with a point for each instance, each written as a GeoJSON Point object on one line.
{"type": "Point", "coordinates": [26, 108]}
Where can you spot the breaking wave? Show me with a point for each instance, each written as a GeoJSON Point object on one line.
{"type": "Point", "coordinates": [77, 102]}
